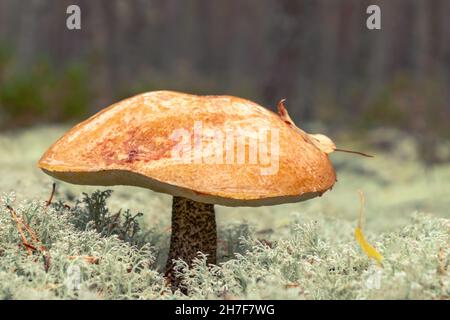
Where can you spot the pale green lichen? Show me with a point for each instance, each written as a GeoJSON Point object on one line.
{"type": "Point", "coordinates": [307, 264]}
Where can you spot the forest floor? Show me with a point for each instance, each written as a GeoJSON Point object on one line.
{"type": "Point", "coordinates": [295, 251]}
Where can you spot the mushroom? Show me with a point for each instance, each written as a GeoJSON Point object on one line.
{"type": "Point", "coordinates": [202, 150]}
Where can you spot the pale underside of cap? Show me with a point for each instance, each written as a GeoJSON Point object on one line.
{"type": "Point", "coordinates": [132, 143]}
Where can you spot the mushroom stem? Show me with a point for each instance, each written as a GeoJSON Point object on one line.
{"type": "Point", "coordinates": [193, 230]}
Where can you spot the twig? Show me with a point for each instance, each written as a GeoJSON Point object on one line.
{"type": "Point", "coordinates": [41, 248]}
{"type": "Point", "coordinates": [49, 201]}
{"type": "Point", "coordinates": [29, 247]}
{"type": "Point", "coordinates": [355, 152]}
{"type": "Point", "coordinates": [87, 259]}
{"type": "Point", "coordinates": [361, 209]}
{"type": "Point", "coordinates": [19, 228]}
{"type": "Point", "coordinates": [47, 260]}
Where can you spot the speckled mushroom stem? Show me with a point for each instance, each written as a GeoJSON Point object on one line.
{"type": "Point", "coordinates": [193, 230]}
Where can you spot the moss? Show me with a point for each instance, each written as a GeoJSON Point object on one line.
{"type": "Point", "coordinates": [308, 264]}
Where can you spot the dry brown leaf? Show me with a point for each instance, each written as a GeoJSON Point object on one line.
{"type": "Point", "coordinates": [320, 141]}
{"type": "Point", "coordinates": [87, 259]}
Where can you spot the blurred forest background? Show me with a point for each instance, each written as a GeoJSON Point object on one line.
{"type": "Point", "coordinates": [316, 53]}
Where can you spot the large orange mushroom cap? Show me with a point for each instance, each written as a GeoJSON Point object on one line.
{"type": "Point", "coordinates": [132, 143]}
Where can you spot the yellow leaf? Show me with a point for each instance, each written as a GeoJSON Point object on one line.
{"type": "Point", "coordinates": [367, 248]}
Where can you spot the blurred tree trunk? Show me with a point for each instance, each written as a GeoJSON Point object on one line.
{"type": "Point", "coordinates": [101, 46]}
{"type": "Point", "coordinates": [282, 80]}
{"type": "Point", "coordinates": [26, 41]}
